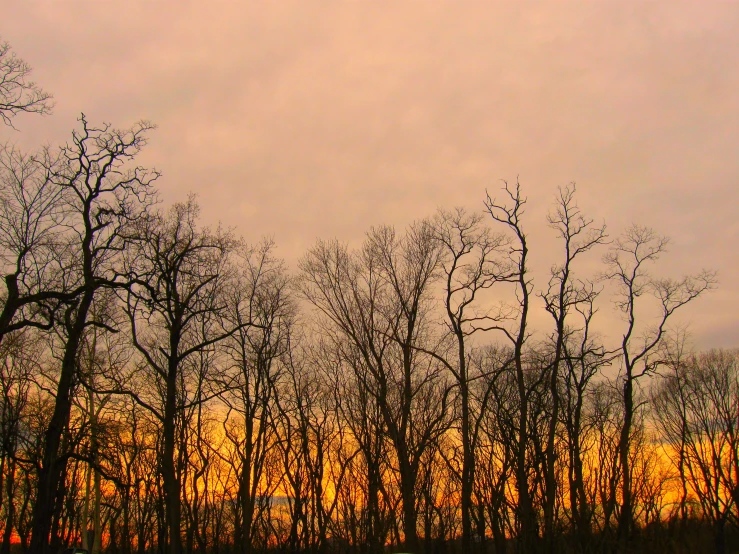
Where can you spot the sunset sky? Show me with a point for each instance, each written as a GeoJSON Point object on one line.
{"type": "Point", "coordinates": [301, 120]}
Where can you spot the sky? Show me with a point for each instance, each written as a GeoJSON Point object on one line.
{"type": "Point", "coordinates": [307, 120]}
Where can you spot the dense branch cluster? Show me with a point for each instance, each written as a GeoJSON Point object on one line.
{"type": "Point", "coordinates": [17, 93]}
{"type": "Point", "coordinates": [166, 387]}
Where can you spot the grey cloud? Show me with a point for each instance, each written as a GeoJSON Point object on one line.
{"type": "Point", "coordinates": [300, 120]}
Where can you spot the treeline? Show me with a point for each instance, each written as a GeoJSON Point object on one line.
{"type": "Point", "coordinates": [167, 387]}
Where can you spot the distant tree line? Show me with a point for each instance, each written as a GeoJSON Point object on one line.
{"type": "Point", "coordinates": [166, 387]}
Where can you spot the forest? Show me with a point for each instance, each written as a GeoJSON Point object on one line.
{"type": "Point", "coordinates": [167, 387]}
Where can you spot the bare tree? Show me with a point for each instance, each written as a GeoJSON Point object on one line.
{"type": "Point", "coordinates": [378, 300]}
{"type": "Point", "coordinates": [472, 262]}
{"type": "Point", "coordinates": [308, 428]}
{"type": "Point", "coordinates": [261, 296]}
{"type": "Point", "coordinates": [496, 442]}
{"type": "Point", "coordinates": [510, 217]}
{"type": "Point", "coordinates": [627, 263]}
{"type": "Point", "coordinates": [103, 197]}
{"type": "Point", "coordinates": [20, 358]}
{"type": "Point", "coordinates": [17, 93]}
{"type": "Point", "coordinates": [136, 454]}
{"type": "Point", "coordinates": [582, 356]}
{"type": "Point", "coordinates": [360, 416]}
{"type": "Point", "coordinates": [35, 251]}
{"type": "Point", "coordinates": [415, 394]}
{"type": "Point", "coordinates": [102, 355]}
{"type": "Point", "coordinates": [176, 311]}
{"type": "Point", "coordinates": [696, 407]}
{"type": "Point", "coordinates": [348, 290]}
{"type": "Point", "coordinates": [564, 295]}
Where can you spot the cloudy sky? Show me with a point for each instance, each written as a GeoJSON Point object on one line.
{"type": "Point", "coordinates": [300, 120]}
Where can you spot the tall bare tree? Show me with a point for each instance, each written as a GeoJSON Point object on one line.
{"type": "Point", "coordinates": [627, 267]}
{"type": "Point", "coordinates": [472, 262]}
{"type": "Point", "coordinates": [564, 295]}
{"type": "Point", "coordinates": [261, 296]}
{"type": "Point", "coordinates": [378, 300]}
{"type": "Point", "coordinates": [176, 311]}
{"type": "Point", "coordinates": [516, 332]}
{"type": "Point", "coordinates": [103, 196]}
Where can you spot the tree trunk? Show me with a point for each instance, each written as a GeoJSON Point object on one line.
{"type": "Point", "coordinates": [53, 466]}
{"type": "Point", "coordinates": [468, 459]}
{"type": "Point", "coordinates": [169, 478]}
{"type": "Point", "coordinates": [625, 524]}
{"type": "Point", "coordinates": [410, 517]}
